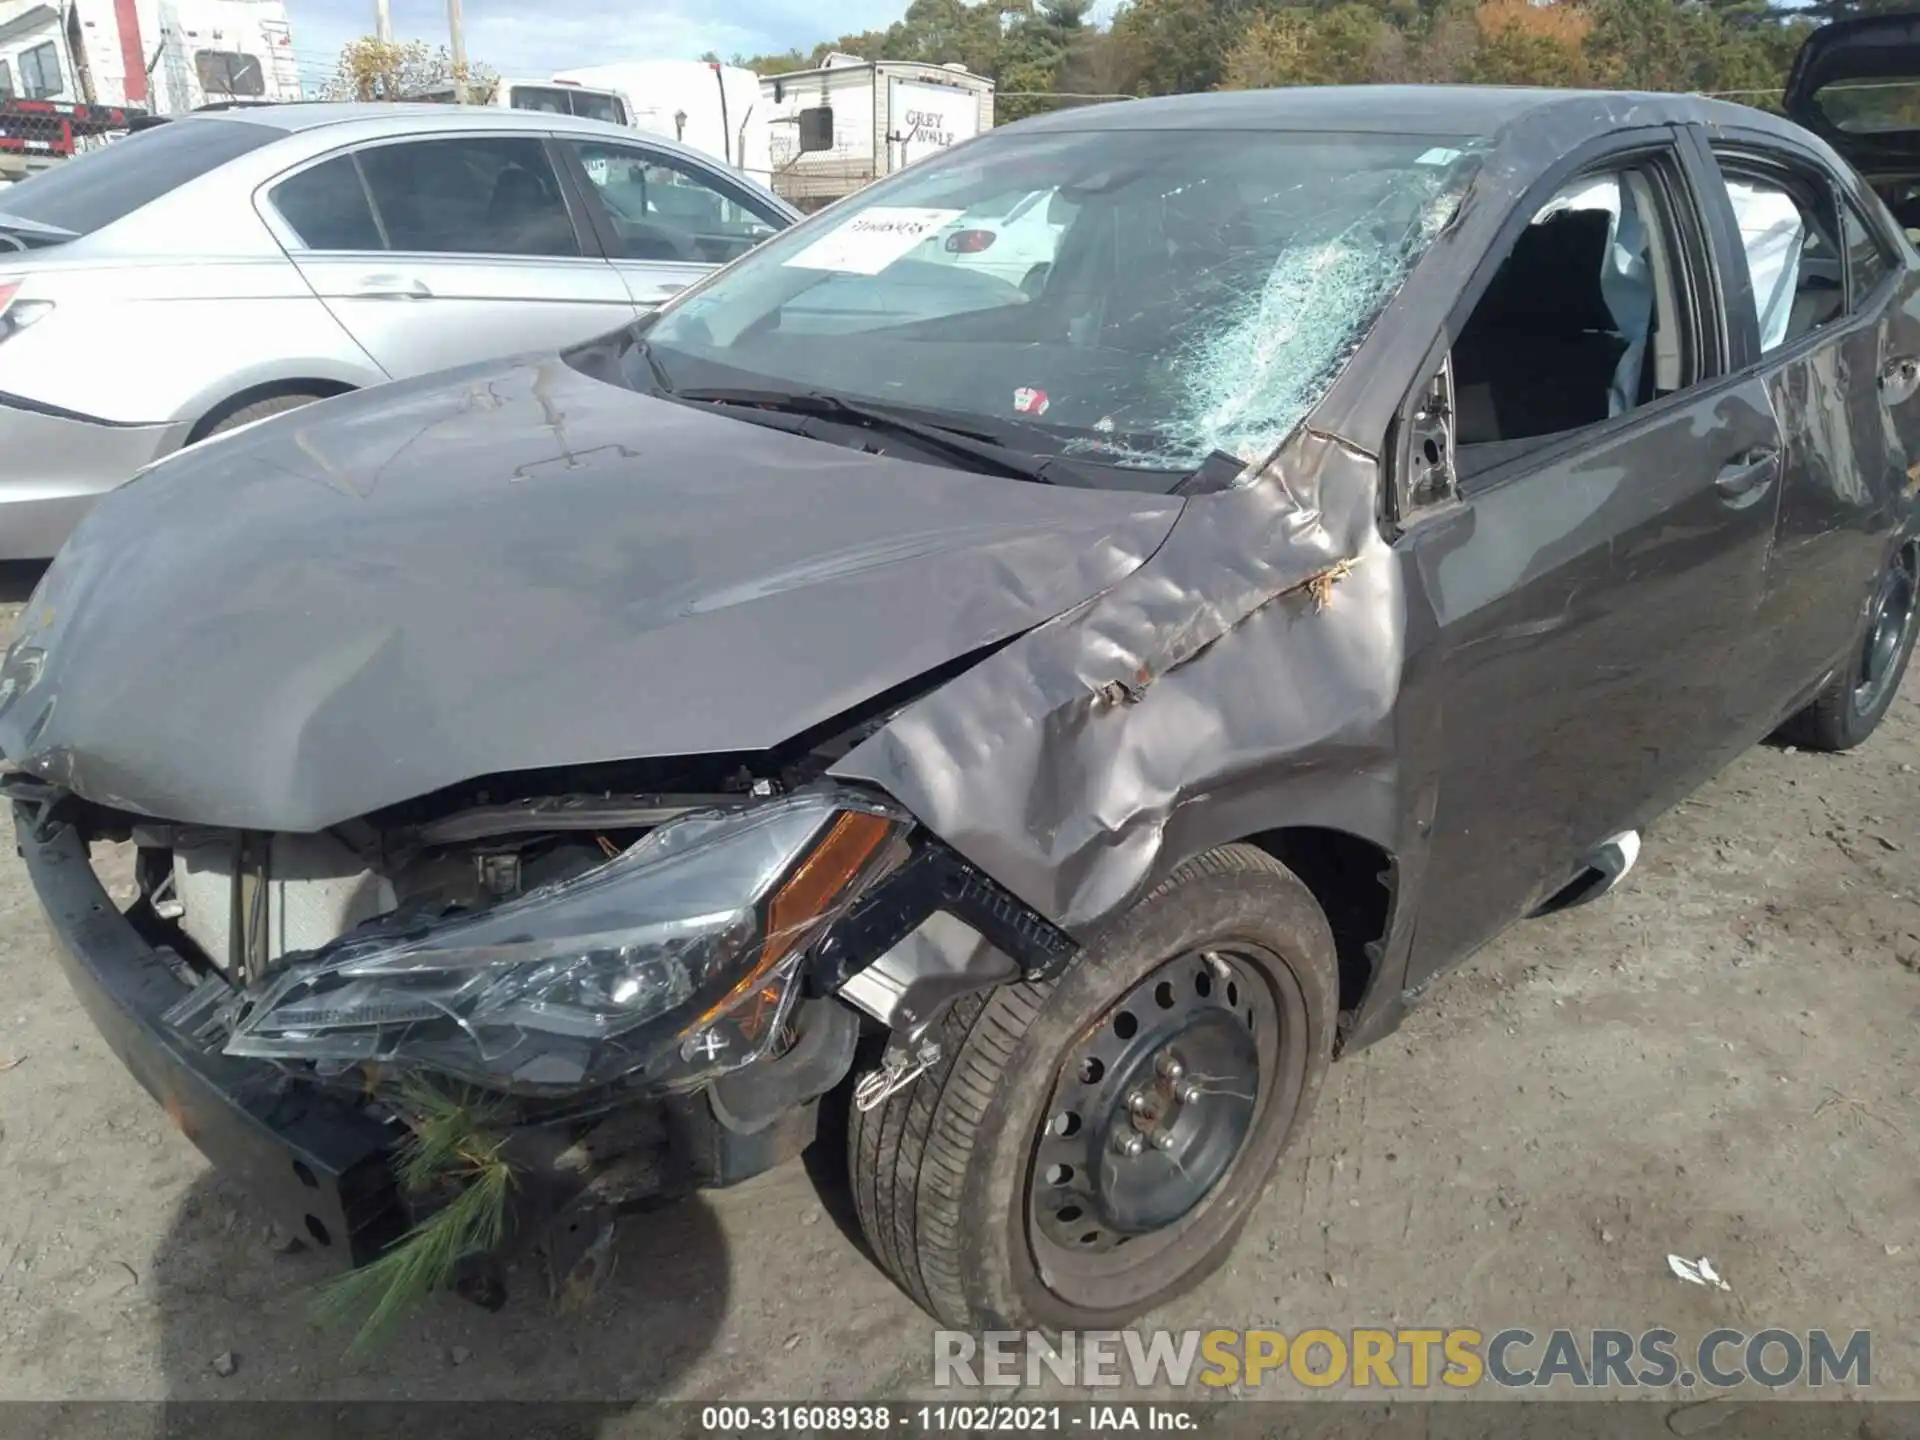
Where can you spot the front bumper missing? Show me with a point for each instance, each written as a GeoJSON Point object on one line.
{"type": "Point", "coordinates": [319, 1160]}
{"type": "Point", "coordinates": [317, 1163]}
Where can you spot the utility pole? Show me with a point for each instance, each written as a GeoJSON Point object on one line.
{"type": "Point", "coordinates": [458, 27]}
{"type": "Point", "coordinates": [383, 21]}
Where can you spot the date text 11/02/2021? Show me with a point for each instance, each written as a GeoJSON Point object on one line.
{"type": "Point", "coordinates": [941, 1419]}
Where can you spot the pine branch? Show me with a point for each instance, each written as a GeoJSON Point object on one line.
{"type": "Point", "coordinates": [451, 1146]}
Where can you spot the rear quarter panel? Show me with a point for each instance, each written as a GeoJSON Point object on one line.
{"type": "Point", "coordinates": [137, 343]}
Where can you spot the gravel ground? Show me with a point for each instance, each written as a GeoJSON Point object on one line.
{"type": "Point", "coordinates": [1718, 1060]}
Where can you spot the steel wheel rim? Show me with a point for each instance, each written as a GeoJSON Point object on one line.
{"type": "Point", "coordinates": [1123, 1242]}
{"type": "Point", "coordinates": [1892, 616]}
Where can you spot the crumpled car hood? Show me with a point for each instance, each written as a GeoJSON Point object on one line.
{"type": "Point", "coordinates": [512, 567]}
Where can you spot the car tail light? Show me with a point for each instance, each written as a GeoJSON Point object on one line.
{"type": "Point", "coordinates": [970, 242]}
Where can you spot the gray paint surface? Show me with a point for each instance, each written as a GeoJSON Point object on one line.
{"type": "Point", "coordinates": [520, 568]}
{"type": "Point", "coordinates": [507, 568]}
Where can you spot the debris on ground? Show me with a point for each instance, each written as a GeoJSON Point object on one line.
{"type": "Point", "coordinates": [1697, 1272]}
{"type": "Point", "coordinates": [459, 1355]}
{"type": "Point", "coordinates": [225, 1363]}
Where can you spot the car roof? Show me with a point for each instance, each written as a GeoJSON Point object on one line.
{"type": "Point", "coordinates": [1400, 110]}
{"type": "Point", "coordinates": [413, 115]}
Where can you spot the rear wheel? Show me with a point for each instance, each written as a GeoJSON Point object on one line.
{"type": "Point", "coordinates": [1851, 707]}
{"type": "Point", "coordinates": [1091, 1147]}
{"type": "Point", "coordinates": [258, 410]}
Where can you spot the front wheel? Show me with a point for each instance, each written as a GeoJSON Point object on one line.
{"type": "Point", "coordinates": [1088, 1148]}
{"type": "Point", "coordinates": [1858, 696]}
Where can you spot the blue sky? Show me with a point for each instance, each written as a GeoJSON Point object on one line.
{"type": "Point", "coordinates": [540, 36]}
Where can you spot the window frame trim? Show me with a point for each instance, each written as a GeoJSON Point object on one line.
{"type": "Point", "coordinates": [1704, 304]}
{"type": "Point", "coordinates": [290, 240]}
{"type": "Point", "coordinates": [7, 90]}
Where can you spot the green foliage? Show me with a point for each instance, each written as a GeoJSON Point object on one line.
{"type": "Point", "coordinates": [1158, 47]}
{"type": "Point", "coordinates": [452, 1151]}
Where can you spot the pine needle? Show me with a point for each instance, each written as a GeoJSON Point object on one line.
{"type": "Point", "coordinates": [450, 1145]}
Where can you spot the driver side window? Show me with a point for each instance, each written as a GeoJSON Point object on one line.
{"type": "Point", "coordinates": [661, 208]}
{"type": "Point", "coordinates": [1582, 322]}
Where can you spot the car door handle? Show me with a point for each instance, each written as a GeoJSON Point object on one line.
{"type": "Point", "coordinates": [391, 287]}
{"type": "Point", "coordinates": [1899, 378]}
{"type": "Point", "coordinates": [1745, 478]}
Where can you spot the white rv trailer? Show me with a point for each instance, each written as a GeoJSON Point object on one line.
{"type": "Point", "coordinates": [846, 124]}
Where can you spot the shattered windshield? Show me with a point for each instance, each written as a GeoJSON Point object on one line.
{"type": "Point", "coordinates": [1131, 298]}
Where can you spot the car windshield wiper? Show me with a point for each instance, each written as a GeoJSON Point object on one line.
{"type": "Point", "coordinates": [954, 440]}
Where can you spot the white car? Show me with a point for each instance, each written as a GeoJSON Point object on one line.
{"type": "Point", "coordinates": [1011, 243]}
{"type": "Point", "coordinates": [222, 266]}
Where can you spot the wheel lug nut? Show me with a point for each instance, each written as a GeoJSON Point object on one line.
{"type": "Point", "coordinates": [1189, 1092]}
{"type": "Point", "coordinates": [1128, 1145]}
{"type": "Point", "coordinates": [1169, 1065]}
{"type": "Point", "coordinates": [1138, 1103]}
{"type": "Point", "coordinates": [1162, 1140]}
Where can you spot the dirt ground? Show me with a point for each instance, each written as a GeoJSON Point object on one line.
{"type": "Point", "coordinates": [1719, 1060]}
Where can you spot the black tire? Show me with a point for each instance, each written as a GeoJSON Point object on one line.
{"type": "Point", "coordinates": [258, 410]}
{"type": "Point", "coordinates": [1863, 686]}
{"type": "Point", "coordinates": [942, 1170]}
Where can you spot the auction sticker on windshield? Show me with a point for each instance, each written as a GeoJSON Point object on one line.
{"type": "Point", "coordinates": [873, 239]}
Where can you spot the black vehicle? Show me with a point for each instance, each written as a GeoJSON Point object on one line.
{"type": "Point", "coordinates": [1042, 723]}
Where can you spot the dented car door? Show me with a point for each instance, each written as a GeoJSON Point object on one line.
{"type": "Point", "coordinates": [1597, 576]}
{"type": "Point", "coordinates": [1817, 310]}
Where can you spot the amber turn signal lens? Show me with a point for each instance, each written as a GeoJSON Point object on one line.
{"type": "Point", "coordinates": [850, 843]}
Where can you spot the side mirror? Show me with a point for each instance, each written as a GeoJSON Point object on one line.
{"type": "Point", "coordinates": [816, 129]}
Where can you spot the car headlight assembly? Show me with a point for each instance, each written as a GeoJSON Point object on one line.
{"type": "Point", "coordinates": [670, 964]}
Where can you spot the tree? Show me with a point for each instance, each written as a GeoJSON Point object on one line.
{"type": "Point", "coordinates": [1522, 43]}
{"type": "Point", "coordinates": [1035, 43]}
{"type": "Point", "coordinates": [1661, 45]}
{"type": "Point", "coordinates": [1169, 47]}
{"type": "Point", "coordinates": [374, 69]}
{"type": "Point", "coordinates": [1161, 47]}
{"type": "Point", "coordinates": [1297, 46]}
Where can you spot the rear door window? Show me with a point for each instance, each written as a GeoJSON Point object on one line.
{"type": "Point", "coordinates": [1789, 231]}
{"type": "Point", "coordinates": [94, 190]}
{"type": "Point", "coordinates": [326, 206]}
{"type": "Point", "coordinates": [6, 81]}
{"type": "Point", "coordinates": [485, 195]}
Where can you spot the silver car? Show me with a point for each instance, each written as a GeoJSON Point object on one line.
{"type": "Point", "coordinates": [220, 267]}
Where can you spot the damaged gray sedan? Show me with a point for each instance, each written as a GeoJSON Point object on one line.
{"type": "Point", "coordinates": [1021, 729]}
